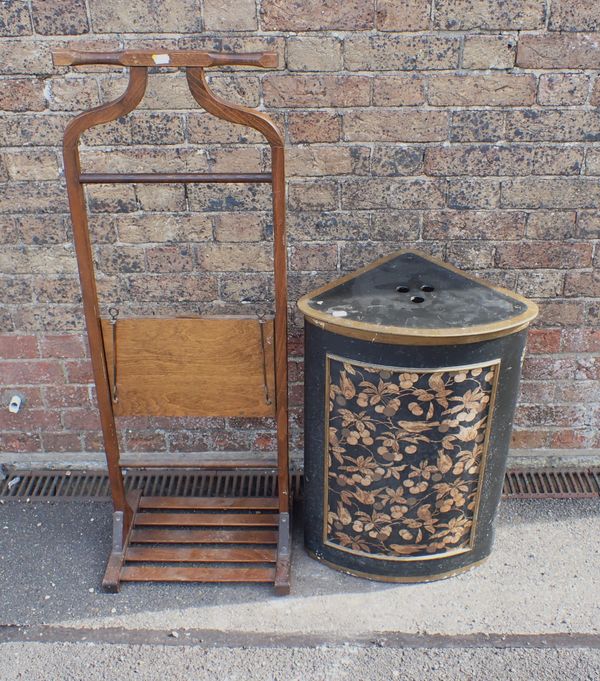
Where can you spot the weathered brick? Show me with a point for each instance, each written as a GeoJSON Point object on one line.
{"type": "Point", "coordinates": [235, 159]}
{"type": "Point", "coordinates": [583, 15]}
{"type": "Point", "coordinates": [160, 127]}
{"type": "Point", "coordinates": [144, 16]}
{"type": "Point", "coordinates": [559, 192]}
{"type": "Point", "coordinates": [501, 225]}
{"type": "Point", "coordinates": [471, 254]}
{"type": "Point", "coordinates": [316, 91]}
{"type": "Point", "coordinates": [582, 284]}
{"type": "Point", "coordinates": [592, 161]}
{"type": "Point", "coordinates": [175, 288]}
{"type": "Point", "coordinates": [489, 52]}
{"type": "Point", "coordinates": [556, 125]}
{"type": "Point", "coordinates": [169, 259]}
{"type": "Point", "coordinates": [32, 197]}
{"type": "Point", "coordinates": [392, 160]}
{"type": "Point", "coordinates": [203, 128]}
{"type": "Point", "coordinates": [15, 291]}
{"type": "Point", "coordinates": [162, 197]}
{"type": "Point", "coordinates": [557, 160]}
{"type": "Point", "coordinates": [395, 125]}
{"type": "Point", "coordinates": [543, 254]}
{"type": "Point", "coordinates": [31, 164]}
{"type": "Point", "coordinates": [551, 224]}
{"type": "Point", "coordinates": [61, 442]}
{"type": "Point", "coordinates": [540, 283]}
{"type": "Point", "coordinates": [476, 126]}
{"type": "Point", "coordinates": [328, 226]}
{"type": "Point", "coordinates": [32, 130]}
{"type": "Point", "coordinates": [228, 257]}
{"type": "Point", "coordinates": [27, 56]}
{"type": "Point", "coordinates": [73, 94]}
{"type": "Point", "coordinates": [481, 159]}
{"type": "Point", "coordinates": [392, 193]}
{"type": "Point", "coordinates": [406, 90]}
{"type": "Point", "coordinates": [559, 51]}
{"type": "Point", "coordinates": [20, 442]}
{"type": "Point", "coordinates": [59, 17]}
{"type": "Point", "coordinates": [316, 15]}
{"type": "Point", "coordinates": [355, 254]}
{"type": "Point", "coordinates": [230, 15]}
{"type": "Point", "coordinates": [395, 225]}
{"type": "Point", "coordinates": [144, 160]}
{"type": "Point", "coordinates": [563, 89]}
{"type": "Point", "coordinates": [308, 161]}
{"type": "Point", "coordinates": [307, 53]}
{"type": "Point", "coordinates": [143, 228]}
{"type": "Point", "coordinates": [14, 18]}
{"type": "Point", "coordinates": [39, 230]}
{"type": "Point", "coordinates": [229, 197]}
{"type": "Point", "coordinates": [588, 224]}
{"type": "Point", "coordinates": [460, 15]}
{"type": "Point", "coordinates": [22, 94]}
{"type": "Point", "coordinates": [389, 52]}
{"type": "Point", "coordinates": [114, 260]}
{"type": "Point", "coordinates": [313, 195]}
{"type": "Point", "coordinates": [111, 198]}
{"type": "Point", "coordinates": [487, 90]}
{"type": "Point", "coordinates": [580, 340]}
{"type": "Point", "coordinates": [466, 193]}
{"type": "Point", "coordinates": [236, 227]}
{"type": "Point", "coordinates": [314, 126]}
{"type": "Point", "coordinates": [412, 15]}
{"type": "Point", "coordinates": [245, 287]}
{"type": "Point", "coordinates": [311, 256]}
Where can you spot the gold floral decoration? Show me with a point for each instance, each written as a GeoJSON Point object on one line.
{"type": "Point", "coordinates": [405, 454]}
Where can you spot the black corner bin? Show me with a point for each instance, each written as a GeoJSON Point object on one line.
{"type": "Point", "coordinates": [412, 371]}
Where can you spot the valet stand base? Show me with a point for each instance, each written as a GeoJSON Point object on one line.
{"type": "Point", "coordinates": [201, 539]}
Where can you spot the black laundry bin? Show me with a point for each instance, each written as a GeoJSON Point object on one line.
{"type": "Point", "coordinates": [412, 372]}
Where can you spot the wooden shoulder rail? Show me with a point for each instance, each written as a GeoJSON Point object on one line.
{"type": "Point", "coordinates": [139, 368]}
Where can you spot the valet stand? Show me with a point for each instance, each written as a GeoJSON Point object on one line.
{"type": "Point", "coordinates": [197, 366]}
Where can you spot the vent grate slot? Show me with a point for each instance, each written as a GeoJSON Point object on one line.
{"type": "Point", "coordinates": [546, 483]}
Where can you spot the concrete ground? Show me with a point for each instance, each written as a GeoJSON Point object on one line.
{"type": "Point", "coordinates": [531, 612]}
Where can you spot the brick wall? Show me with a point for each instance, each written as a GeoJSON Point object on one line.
{"type": "Point", "coordinates": [469, 129]}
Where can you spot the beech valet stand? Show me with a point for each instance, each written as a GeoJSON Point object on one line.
{"type": "Point", "coordinates": [226, 366]}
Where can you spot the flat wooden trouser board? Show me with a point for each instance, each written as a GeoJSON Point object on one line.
{"type": "Point", "coordinates": [187, 367]}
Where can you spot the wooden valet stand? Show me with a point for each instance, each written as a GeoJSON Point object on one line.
{"type": "Point", "coordinates": [226, 366]}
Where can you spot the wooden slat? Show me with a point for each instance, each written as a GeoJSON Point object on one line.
{"type": "Point", "coordinates": [250, 503]}
{"type": "Point", "coordinates": [192, 366]}
{"type": "Point", "coordinates": [204, 536]}
{"type": "Point", "coordinates": [181, 554]}
{"type": "Point", "coordinates": [209, 519]}
{"type": "Point", "coordinates": [145, 573]}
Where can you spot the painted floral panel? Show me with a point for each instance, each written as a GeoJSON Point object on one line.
{"type": "Point", "coordinates": [404, 457]}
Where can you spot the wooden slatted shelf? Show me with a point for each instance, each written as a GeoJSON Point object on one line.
{"type": "Point", "coordinates": [184, 554]}
{"type": "Point", "coordinates": [143, 573]}
{"type": "Point", "coordinates": [210, 519]}
{"type": "Point", "coordinates": [222, 539]}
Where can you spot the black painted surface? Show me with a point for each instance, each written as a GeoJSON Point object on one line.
{"type": "Point", "coordinates": [319, 343]}
{"type": "Point", "coordinates": [412, 292]}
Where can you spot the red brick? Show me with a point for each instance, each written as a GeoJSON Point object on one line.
{"type": "Point", "coordinates": [29, 419]}
{"type": "Point", "coordinates": [81, 419]}
{"type": "Point", "coordinates": [529, 439]}
{"type": "Point", "coordinates": [544, 254]}
{"type": "Point", "coordinates": [64, 346]}
{"type": "Point", "coordinates": [543, 341]}
{"type": "Point", "coordinates": [31, 372]}
{"type": "Point", "coordinates": [61, 442]}
{"type": "Point", "coordinates": [581, 340]}
{"type": "Point", "coordinates": [59, 397]}
{"type": "Point", "coordinates": [79, 371]}
{"type": "Point", "coordinates": [569, 439]}
{"type": "Point", "coordinates": [20, 442]}
{"type": "Point", "coordinates": [146, 442]}
{"type": "Point", "coordinates": [18, 347]}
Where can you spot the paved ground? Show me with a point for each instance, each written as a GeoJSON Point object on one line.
{"type": "Point", "coordinates": [531, 612]}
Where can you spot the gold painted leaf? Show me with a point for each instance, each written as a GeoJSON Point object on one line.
{"type": "Point", "coordinates": [444, 462]}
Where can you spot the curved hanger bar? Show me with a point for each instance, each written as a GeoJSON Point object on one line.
{"type": "Point", "coordinates": [242, 115]}
{"type": "Point", "coordinates": [136, 88]}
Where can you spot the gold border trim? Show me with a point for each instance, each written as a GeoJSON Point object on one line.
{"type": "Point", "coordinates": [406, 335]}
{"type": "Point", "coordinates": [483, 465]}
{"type": "Point", "coordinates": [403, 580]}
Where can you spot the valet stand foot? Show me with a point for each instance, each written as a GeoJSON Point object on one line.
{"type": "Point", "coordinates": [121, 535]}
{"type": "Point", "coordinates": [282, 568]}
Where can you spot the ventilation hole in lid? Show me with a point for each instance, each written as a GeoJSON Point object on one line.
{"type": "Point", "coordinates": [402, 289]}
{"type": "Point", "coordinates": [417, 299]}
{"type": "Point", "coordinates": [427, 289]}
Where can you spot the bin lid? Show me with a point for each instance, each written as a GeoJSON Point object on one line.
{"type": "Point", "coordinates": [411, 297]}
